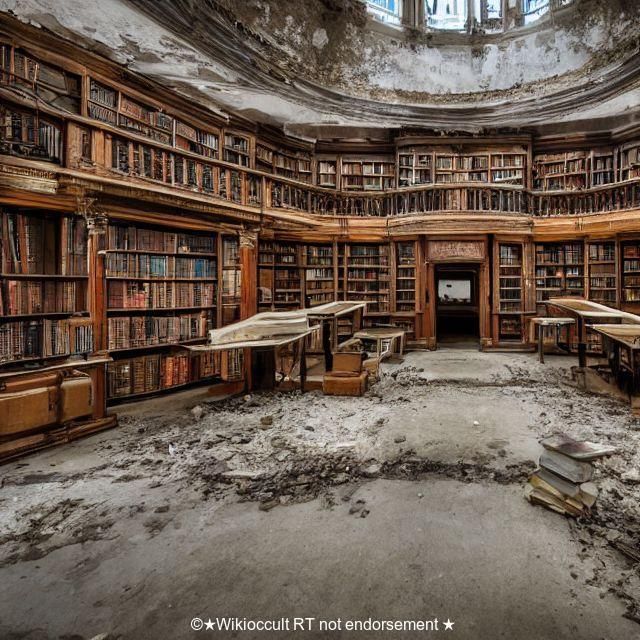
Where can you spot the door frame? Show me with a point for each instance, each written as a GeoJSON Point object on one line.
{"type": "Point", "coordinates": [457, 250]}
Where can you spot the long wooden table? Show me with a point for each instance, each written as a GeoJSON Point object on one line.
{"type": "Point", "coordinates": [625, 340]}
{"type": "Point", "coordinates": [588, 314]}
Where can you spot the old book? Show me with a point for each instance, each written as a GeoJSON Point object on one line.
{"type": "Point", "coordinates": [576, 449]}
{"type": "Point", "coordinates": [568, 506]}
{"type": "Point", "coordinates": [588, 493]}
{"type": "Point", "coordinates": [585, 493]}
{"type": "Point", "coordinates": [566, 467]}
{"type": "Point", "coordinates": [550, 482]}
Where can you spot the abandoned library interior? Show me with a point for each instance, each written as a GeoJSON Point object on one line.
{"type": "Point", "coordinates": [319, 319]}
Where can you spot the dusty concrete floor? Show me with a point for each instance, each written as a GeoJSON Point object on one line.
{"type": "Point", "coordinates": [253, 507]}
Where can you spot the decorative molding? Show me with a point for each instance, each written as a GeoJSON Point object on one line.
{"type": "Point", "coordinates": [456, 250]}
{"type": "Point", "coordinates": [248, 237]}
{"type": "Point", "coordinates": [96, 219]}
{"type": "Point", "coordinates": [29, 179]}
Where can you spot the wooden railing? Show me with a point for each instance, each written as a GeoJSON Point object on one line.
{"type": "Point", "coordinates": [142, 161]}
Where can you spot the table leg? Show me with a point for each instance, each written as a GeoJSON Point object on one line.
{"type": "Point", "coordinates": [541, 343]}
{"type": "Point", "coordinates": [303, 365]}
{"type": "Point", "coordinates": [582, 345]}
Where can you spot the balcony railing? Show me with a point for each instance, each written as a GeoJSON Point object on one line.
{"type": "Point", "coordinates": [143, 161]}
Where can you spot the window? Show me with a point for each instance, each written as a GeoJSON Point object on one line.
{"type": "Point", "coordinates": [487, 14]}
{"type": "Point", "coordinates": [487, 10]}
{"type": "Point", "coordinates": [388, 11]}
{"type": "Point", "coordinates": [446, 14]}
{"type": "Point", "coordinates": [533, 10]}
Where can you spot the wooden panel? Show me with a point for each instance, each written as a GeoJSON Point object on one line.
{"type": "Point", "coordinates": [456, 250]}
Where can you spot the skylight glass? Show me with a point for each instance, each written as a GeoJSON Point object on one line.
{"type": "Point", "coordinates": [446, 14]}
{"type": "Point", "coordinates": [388, 11]}
{"type": "Point", "coordinates": [533, 10]}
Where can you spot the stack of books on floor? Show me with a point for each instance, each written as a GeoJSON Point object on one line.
{"type": "Point", "coordinates": [563, 481]}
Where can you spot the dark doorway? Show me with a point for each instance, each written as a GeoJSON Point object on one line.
{"type": "Point", "coordinates": [457, 316]}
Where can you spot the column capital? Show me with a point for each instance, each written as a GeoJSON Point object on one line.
{"type": "Point", "coordinates": [248, 237]}
{"type": "Point", "coordinates": [95, 218]}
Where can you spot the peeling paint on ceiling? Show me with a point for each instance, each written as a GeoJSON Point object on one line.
{"type": "Point", "coordinates": [306, 64]}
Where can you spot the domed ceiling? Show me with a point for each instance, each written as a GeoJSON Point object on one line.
{"type": "Point", "coordinates": [324, 68]}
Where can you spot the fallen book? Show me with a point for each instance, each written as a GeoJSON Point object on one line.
{"type": "Point", "coordinates": [566, 467]}
{"type": "Point", "coordinates": [569, 506]}
{"type": "Point", "coordinates": [576, 449]}
{"type": "Point", "coordinates": [585, 493]}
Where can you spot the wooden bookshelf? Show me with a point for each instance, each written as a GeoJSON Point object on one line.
{"type": "Point", "coordinates": [630, 256]}
{"type": "Point", "coordinates": [161, 291]}
{"type": "Point", "coordinates": [265, 275]}
{"type": "Point", "coordinates": [603, 269]}
{"type": "Point", "coordinates": [510, 302]}
{"type": "Point", "coordinates": [43, 287]}
{"type": "Point", "coordinates": [415, 168]}
{"type": "Point", "coordinates": [629, 161]}
{"type": "Point", "coordinates": [289, 164]}
{"type": "Point", "coordinates": [327, 174]}
{"type": "Point", "coordinates": [405, 277]}
{"type": "Point", "coordinates": [561, 171]}
{"type": "Point", "coordinates": [30, 135]}
{"type": "Point", "coordinates": [288, 282]}
{"type": "Point", "coordinates": [359, 174]}
{"type": "Point", "coordinates": [231, 275]}
{"type": "Point", "coordinates": [320, 281]}
{"type": "Point", "coordinates": [144, 375]}
{"type": "Point", "coordinates": [404, 295]}
{"type": "Point", "coordinates": [509, 168]}
{"type": "Point", "coordinates": [368, 278]}
{"type": "Point", "coordinates": [560, 271]}
{"type": "Point", "coordinates": [237, 149]}
{"type": "Point", "coordinates": [442, 165]}
{"type": "Point", "coordinates": [602, 167]}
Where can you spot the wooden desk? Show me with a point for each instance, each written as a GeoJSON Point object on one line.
{"type": "Point", "coordinates": [587, 313]}
{"type": "Point", "coordinates": [625, 356]}
{"type": "Point", "coordinates": [378, 334]}
{"type": "Point", "coordinates": [549, 322]}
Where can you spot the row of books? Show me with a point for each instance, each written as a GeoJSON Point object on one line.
{"type": "Point", "coordinates": [30, 297]}
{"type": "Point", "coordinates": [154, 372]}
{"type": "Point", "coordinates": [130, 238]}
{"type": "Point", "coordinates": [603, 283]}
{"type": "Point", "coordinates": [131, 332]}
{"type": "Point", "coordinates": [160, 295]}
{"type": "Point", "coordinates": [44, 338]}
{"type": "Point", "coordinates": [319, 274]}
{"type": "Point", "coordinates": [146, 374]}
{"type": "Point", "coordinates": [367, 274]}
{"type": "Point", "coordinates": [605, 252]}
{"type": "Point", "coordinates": [373, 287]}
{"type": "Point", "coordinates": [560, 254]}
{"type": "Point", "coordinates": [158, 266]}
{"type": "Point", "coordinates": [319, 285]}
{"type": "Point", "coordinates": [631, 265]}
{"type": "Point", "coordinates": [29, 244]}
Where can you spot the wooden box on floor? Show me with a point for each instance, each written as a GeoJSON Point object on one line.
{"type": "Point", "coordinates": [347, 377]}
{"type": "Point", "coordinates": [334, 384]}
{"type": "Point", "coordinates": [28, 409]}
{"type": "Point", "coordinates": [347, 362]}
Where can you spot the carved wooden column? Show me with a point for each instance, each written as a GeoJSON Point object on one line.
{"type": "Point", "coordinates": [96, 296]}
{"type": "Point", "coordinates": [429, 325]}
{"type": "Point", "coordinates": [249, 271]}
